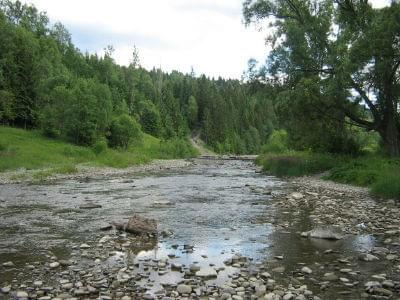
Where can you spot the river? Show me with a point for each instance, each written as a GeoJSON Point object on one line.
{"type": "Point", "coordinates": [215, 209]}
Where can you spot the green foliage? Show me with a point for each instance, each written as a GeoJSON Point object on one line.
{"type": "Point", "coordinates": [176, 148]}
{"type": "Point", "coordinates": [380, 174]}
{"type": "Point", "coordinates": [299, 112]}
{"type": "Point", "coordinates": [296, 163]}
{"type": "Point", "coordinates": [46, 83]}
{"type": "Point", "coordinates": [150, 118]}
{"type": "Point", "coordinates": [193, 111]}
{"type": "Point", "coordinates": [388, 185]}
{"type": "Point", "coordinates": [100, 147]}
{"type": "Point", "coordinates": [88, 114]}
{"type": "Point", "coordinates": [333, 77]}
{"type": "Point", "coordinates": [276, 143]}
{"type": "Point", "coordinates": [31, 150]}
{"type": "Point", "coordinates": [124, 130]}
{"type": "Point", "coordinates": [42, 175]}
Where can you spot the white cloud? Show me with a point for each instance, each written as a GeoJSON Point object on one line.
{"type": "Point", "coordinates": [379, 3]}
{"type": "Point", "coordinates": [176, 34]}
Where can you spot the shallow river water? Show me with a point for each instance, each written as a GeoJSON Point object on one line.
{"type": "Point", "coordinates": [218, 207]}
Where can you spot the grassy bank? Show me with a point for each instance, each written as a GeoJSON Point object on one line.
{"type": "Point", "coordinates": [30, 150]}
{"type": "Point", "coordinates": [380, 174]}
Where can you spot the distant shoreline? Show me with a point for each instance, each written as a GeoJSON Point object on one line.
{"type": "Point", "coordinates": [85, 172]}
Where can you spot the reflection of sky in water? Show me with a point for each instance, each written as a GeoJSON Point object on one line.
{"type": "Point", "coordinates": [220, 208]}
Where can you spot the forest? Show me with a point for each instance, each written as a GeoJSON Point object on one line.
{"type": "Point", "coordinates": [47, 83]}
{"type": "Point", "coordinates": [329, 87]}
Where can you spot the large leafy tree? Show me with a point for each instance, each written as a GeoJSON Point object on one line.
{"type": "Point", "coordinates": [348, 48]}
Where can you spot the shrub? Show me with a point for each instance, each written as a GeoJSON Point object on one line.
{"type": "Point", "coordinates": [177, 148]}
{"type": "Point", "coordinates": [297, 163]}
{"type": "Point", "coordinates": [276, 143]}
{"type": "Point", "coordinates": [387, 186]}
{"type": "Point", "coordinates": [123, 131]}
{"type": "Point", "coordinates": [3, 147]}
{"type": "Point", "coordinates": [99, 147]}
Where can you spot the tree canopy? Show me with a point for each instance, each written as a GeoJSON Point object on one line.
{"type": "Point", "coordinates": [49, 84]}
{"type": "Point", "coordinates": [342, 55]}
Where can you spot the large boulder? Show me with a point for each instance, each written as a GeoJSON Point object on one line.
{"type": "Point", "coordinates": [325, 232]}
{"type": "Point", "coordinates": [138, 225]}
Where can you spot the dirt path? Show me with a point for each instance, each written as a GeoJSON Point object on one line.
{"type": "Point", "coordinates": [199, 144]}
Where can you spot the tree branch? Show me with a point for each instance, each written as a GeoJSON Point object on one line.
{"type": "Point", "coordinates": [365, 97]}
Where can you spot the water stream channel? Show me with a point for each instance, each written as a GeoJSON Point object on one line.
{"type": "Point", "coordinates": [216, 209]}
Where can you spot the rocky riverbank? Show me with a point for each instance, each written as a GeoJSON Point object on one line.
{"type": "Point", "coordinates": [84, 172]}
{"type": "Point", "coordinates": [361, 262]}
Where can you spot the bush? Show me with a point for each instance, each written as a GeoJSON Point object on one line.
{"type": "Point", "coordinates": [99, 147]}
{"type": "Point", "coordinates": [123, 131]}
{"type": "Point", "coordinates": [387, 186]}
{"type": "Point", "coordinates": [176, 148]}
{"type": "Point", "coordinates": [297, 163]}
{"type": "Point", "coordinates": [3, 147]}
{"type": "Point", "coordinates": [276, 143]}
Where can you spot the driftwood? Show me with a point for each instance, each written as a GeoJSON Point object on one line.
{"type": "Point", "coordinates": [137, 225]}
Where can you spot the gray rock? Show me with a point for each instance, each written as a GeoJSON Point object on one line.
{"type": "Point", "coordinates": [54, 264]}
{"type": "Point", "coordinates": [297, 196]}
{"type": "Point", "coordinates": [288, 296]}
{"type": "Point", "coordinates": [368, 257]}
{"type": "Point", "coordinates": [184, 289]}
{"type": "Point", "coordinates": [8, 264]}
{"type": "Point", "coordinates": [194, 268]}
{"type": "Point", "coordinates": [265, 275]}
{"type": "Point", "coordinates": [330, 277]}
{"type": "Point", "coordinates": [306, 270]}
{"type": "Point", "coordinates": [207, 272]}
{"type": "Point", "coordinates": [176, 266]}
{"type": "Point", "coordinates": [325, 232]}
{"type": "Point", "coordinates": [271, 296]}
{"type": "Point", "coordinates": [21, 294]}
{"type": "Point", "coordinates": [38, 283]}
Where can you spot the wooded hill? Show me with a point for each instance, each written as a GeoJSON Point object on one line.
{"type": "Point", "coordinates": [47, 83]}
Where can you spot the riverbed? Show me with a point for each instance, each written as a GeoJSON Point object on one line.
{"type": "Point", "coordinates": [208, 213]}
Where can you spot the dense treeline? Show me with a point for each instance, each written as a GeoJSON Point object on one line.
{"type": "Point", "coordinates": [47, 83]}
{"type": "Point", "coordinates": [340, 63]}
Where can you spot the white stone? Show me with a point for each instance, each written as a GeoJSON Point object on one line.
{"type": "Point", "coordinates": [207, 273]}
{"type": "Point", "coordinates": [184, 289]}
{"type": "Point", "coordinates": [306, 270]}
{"type": "Point", "coordinates": [54, 264]}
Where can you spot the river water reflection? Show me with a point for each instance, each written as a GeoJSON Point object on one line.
{"type": "Point", "coordinates": [218, 207]}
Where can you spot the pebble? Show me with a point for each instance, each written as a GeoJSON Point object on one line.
{"type": "Point", "coordinates": [306, 270]}
{"type": "Point", "coordinates": [8, 264]}
{"type": "Point", "coordinates": [184, 289]}
{"type": "Point", "coordinates": [54, 264]}
{"type": "Point", "coordinates": [22, 294]}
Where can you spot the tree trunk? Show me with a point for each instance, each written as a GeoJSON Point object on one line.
{"type": "Point", "coordinates": [390, 134]}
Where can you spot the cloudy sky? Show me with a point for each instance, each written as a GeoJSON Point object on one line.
{"type": "Point", "coordinates": [207, 35]}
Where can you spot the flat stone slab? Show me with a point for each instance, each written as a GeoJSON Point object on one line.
{"type": "Point", "coordinates": [207, 273]}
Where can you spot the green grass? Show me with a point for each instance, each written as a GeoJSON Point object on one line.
{"type": "Point", "coordinates": [380, 174]}
{"type": "Point", "coordinates": [30, 150]}
{"type": "Point", "coordinates": [296, 163]}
